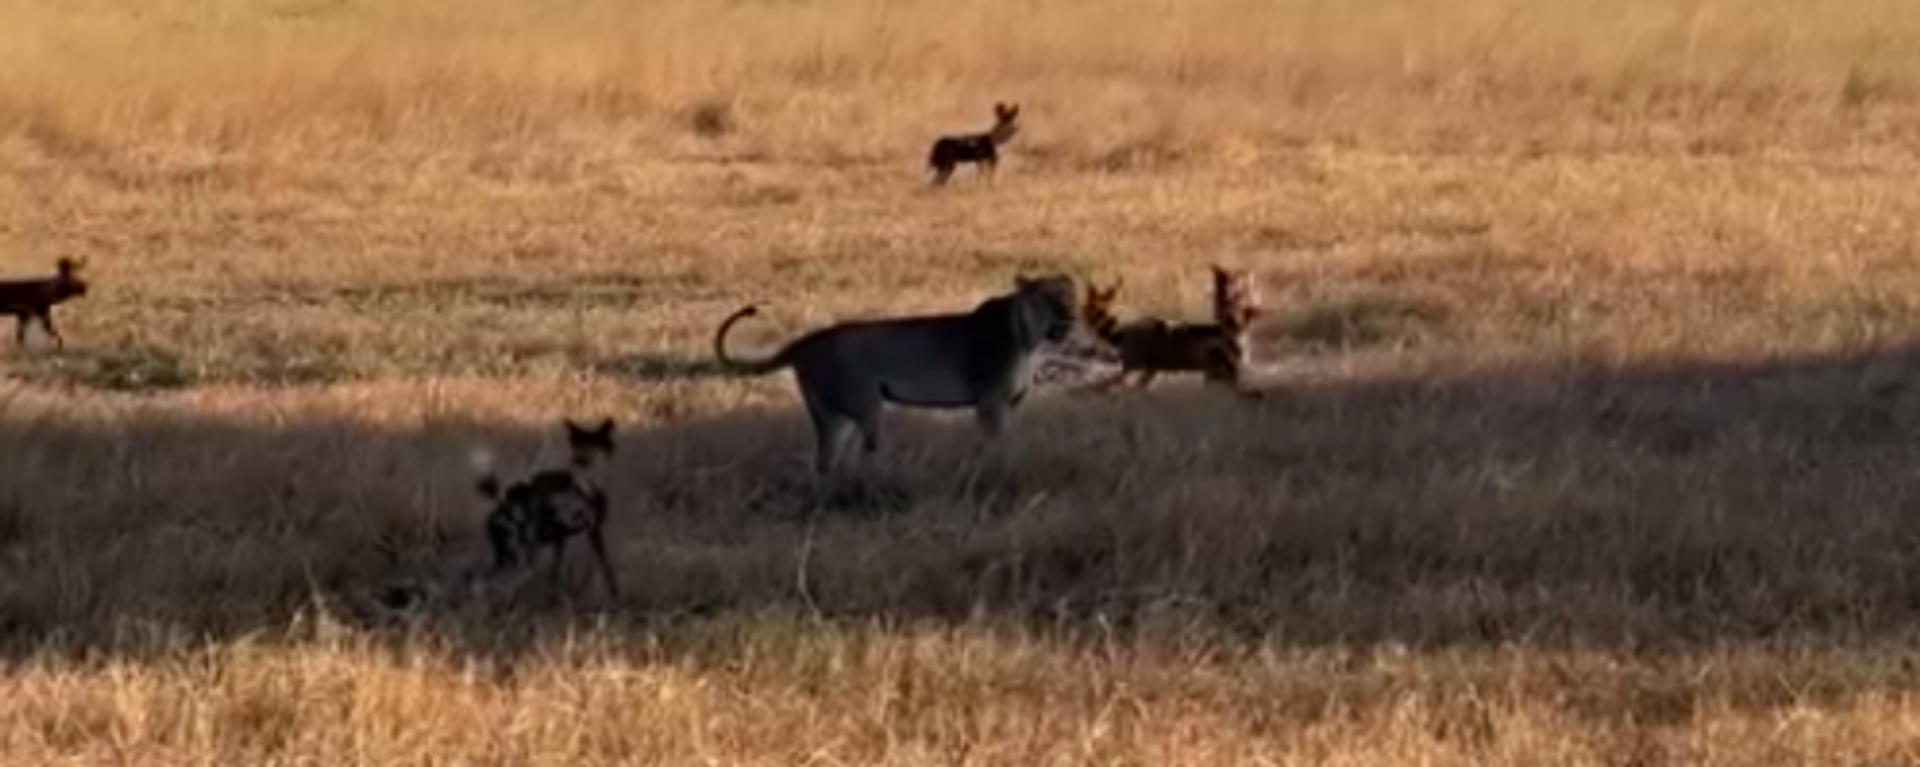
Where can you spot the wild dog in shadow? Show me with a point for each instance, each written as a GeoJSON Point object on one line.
{"type": "Point", "coordinates": [33, 300]}
{"type": "Point", "coordinates": [549, 508]}
{"type": "Point", "coordinates": [1151, 346]}
{"type": "Point", "coordinates": [982, 149]}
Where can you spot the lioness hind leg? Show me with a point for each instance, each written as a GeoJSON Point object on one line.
{"type": "Point", "coordinates": [869, 425]}
{"type": "Point", "coordinates": [834, 413]}
{"type": "Point", "coordinates": [828, 436]}
{"type": "Point", "coordinates": [829, 430]}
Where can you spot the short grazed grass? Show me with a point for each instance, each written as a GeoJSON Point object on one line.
{"type": "Point", "coordinates": [1590, 340]}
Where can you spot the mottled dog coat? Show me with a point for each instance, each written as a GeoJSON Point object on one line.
{"type": "Point", "coordinates": [981, 148]}
{"type": "Point", "coordinates": [551, 507]}
{"type": "Point", "coordinates": [1150, 346]}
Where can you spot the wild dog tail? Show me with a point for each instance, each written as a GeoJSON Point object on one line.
{"type": "Point", "coordinates": [748, 367]}
{"type": "Point", "coordinates": [486, 481]}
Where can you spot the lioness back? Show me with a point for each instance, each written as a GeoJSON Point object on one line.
{"type": "Point", "coordinates": [941, 361]}
{"type": "Point", "coordinates": [907, 360]}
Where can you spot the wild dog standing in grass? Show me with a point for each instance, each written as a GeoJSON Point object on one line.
{"type": "Point", "coordinates": [982, 359]}
{"type": "Point", "coordinates": [549, 508]}
{"type": "Point", "coordinates": [1151, 346]}
{"type": "Point", "coordinates": [980, 148]}
{"type": "Point", "coordinates": [29, 300]}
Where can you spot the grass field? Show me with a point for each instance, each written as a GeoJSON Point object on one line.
{"type": "Point", "coordinates": [1591, 340]}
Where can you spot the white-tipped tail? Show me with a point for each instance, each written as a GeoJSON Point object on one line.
{"type": "Point", "coordinates": [480, 459]}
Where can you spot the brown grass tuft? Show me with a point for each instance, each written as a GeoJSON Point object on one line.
{"type": "Point", "coordinates": [711, 119]}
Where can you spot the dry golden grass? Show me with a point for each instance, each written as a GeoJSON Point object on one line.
{"type": "Point", "coordinates": [1593, 323]}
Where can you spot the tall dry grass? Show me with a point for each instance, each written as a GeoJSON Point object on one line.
{"type": "Point", "coordinates": [843, 81]}
{"type": "Point", "coordinates": [1593, 326]}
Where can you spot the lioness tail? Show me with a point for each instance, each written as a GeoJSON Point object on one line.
{"type": "Point", "coordinates": [748, 367]}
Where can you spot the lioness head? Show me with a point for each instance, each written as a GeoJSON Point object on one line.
{"type": "Point", "coordinates": [1047, 304]}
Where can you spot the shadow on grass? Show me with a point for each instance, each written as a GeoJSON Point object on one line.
{"type": "Point", "coordinates": [1646, 509]}
{"type": "Point", "coordinates": [134, 369]}
{"type": "Point", "coordinates": [658, 368]}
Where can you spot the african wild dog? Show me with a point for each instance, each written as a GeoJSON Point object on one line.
{"type": "Point", "coordinates": [549, 508]}
{"type": "Point", "coordinates": [33, 299]}
{"type": "Point", "coordinates": [1150, 346]}
{"type": "Point", "coordinates": [980, 148]}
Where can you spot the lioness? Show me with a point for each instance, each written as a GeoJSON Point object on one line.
{"type": "Point", "coordinates": [982, 359]}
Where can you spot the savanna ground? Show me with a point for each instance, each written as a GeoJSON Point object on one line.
{"type": "Point", "coordinates": [1593, 442]}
